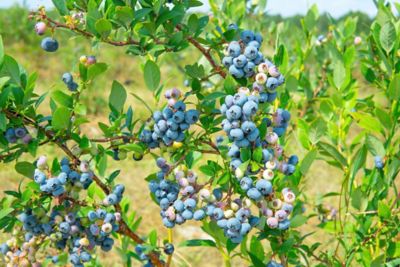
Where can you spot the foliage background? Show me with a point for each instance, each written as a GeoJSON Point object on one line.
{"type": "Point", "coordinates": [321, 179]}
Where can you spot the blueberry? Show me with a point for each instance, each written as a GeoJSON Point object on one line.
{"type": "Point", "coordinates": [254, 194]}
{"type": "Point", "coordinates": [233, 26]}
{"type": "Point", "coordinates": [187, 214]}
{"type": "Point", "coordinates": [107, 244]}
{"type": "Point", "coordinates": [240, 61]}
{"type": "Point", "coordinates": [234, 49]}
{"type": "Point", "coordinates": [178, 117]}
{"type": "Point", "coordinates": [234, 113]}
{"type": "Point", "coordinates": [222, 223]}
{"type": "Point", "coordinates": [254, 44]}
{"type": "Point", "coordinates": [245, 228]}
{"type": "Point", "coordinates": [67, 78]}
{"type": "Point", "coordinates": [199, 215]}
{"type": "Point", "coordinates": [236, 72]}
{"type": "Point", "coordinates": [217, 214]}
{"type": "Point", "coordinates": [191, 116]}
{"type": "Point", "coordinates": [101, 214]}
{"type": "Point", "coordinates": [284, 225]}
{"type": "Point", "coordinates": [64, 227]}
{"type": "Point", "coordinates": [293, 159]}
{"type": "Point", "coordinates": [264, 186]}
{"type": "Point", "coordinates": [233, 224]}
{"type": "Point", "coordinates": [169, 248]}
{"type": "Point", "coordinates": [250, 108]}
{"type": "Point", "coordinates": [227, 61]}
{"type": "Point", "coordinates": [4, 248]}
{"type": "Point", "coordinates": [258, 38]}
{"type": "Point", "coordinates": [251, 52]}
{"type": "Point", "coordinates": [189, 203]}
{"type": "Point", "coordinates": [20, 132]}
{"type": "Point", "coordinates": [157, 115]}
{"type": "Point", "coordinates": [167, 113]}
{"type": "Point", "coordinates": [237, 134]}
{"type": "Point", "coordinates": [49, 44]}
{"type": "Point", "coordinates": [249, 67]}
{"type": "Point", "coordinates": [73, 86]}
{"type": "Point", "coordinates": [161, 162]}
{"type": "Point", "coordinates": [40, 28]}
{"type": "Point", "coordinates": [85, 256]}
{"type": "Point", "coordinates": [239, 99]}
{"type": "Point", "coordinates": [246, 183]}
{"type": "Point", "coordinates": [378, 162]}
{"type": "Point", "coordinates": [180, 106]}
{"type": "Point", "coordinates": [247, 36]}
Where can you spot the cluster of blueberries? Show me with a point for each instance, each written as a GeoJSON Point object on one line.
{"type": "Point", "coordinates": [48, 44]}
{"type": "Point", "coordinates": [21, 249]}
{"type": "Point", "coordinates": [115, 196]}
{"type": "Point", "coordinates": [69, 82]}
{"type": "Point", "coordinates": [267, 80]}
{"type": "Point", "coordinates": [63, 226]}
{"type": "Point", "coordinates": [183, 199]}
{"type": "Point", "coordinates": [177, 199]}
{"type": "Point", "coordinates": [143, 250]}
{"type": "Point", "coordinates": [13, 135]}
{"type": "Point", "coordinates": [242, 131]}
{"type": "Point", "coordinates": [242, 57]}
{"type": "Point", "coordinates": [68, 179]}
{"type": "Point", "coordinates": [170, 124]}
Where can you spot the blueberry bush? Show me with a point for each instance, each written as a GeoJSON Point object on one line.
{"type": "Point", "coordinates": [264, 105]}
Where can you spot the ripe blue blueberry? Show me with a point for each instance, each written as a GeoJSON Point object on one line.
{"type": "Point", "coordinates": [169, 248]}
{"type": "Point", "coordinates": [247, 36]}
{"type": "Point", "coordinates": [234, 49]}
{"type": "Point", "coordinates": [49, 44]}
{"type": "Point", "coordinates": [240, 61]}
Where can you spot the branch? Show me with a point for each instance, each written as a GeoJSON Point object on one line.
{"type": "Point", "coordinates": [217, 69]}
{"type": "Point", "coordinates": [206, 52]}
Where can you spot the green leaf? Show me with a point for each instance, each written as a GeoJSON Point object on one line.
{"type": "Point", "coordinates": [229, 85]}
{"type": "Point", "coordinates": [1, 51]}
{"type": "Point", "coordinates": [387, 36]}
{"type": "Point", "coordinates": [5, 212]}
{"type": "Point", "coordinates": [332, 152]}
{"type": "Point", "coordinates": [103, 27]}
{"type": "Point", "coordinates": [298, 221]}
{"type": "Point", "coordinates": [61, 7]}
{"type": "Point", "coordinates": [384, 210]}
{"type": "Point", "coordinates": [367, 121]}
{"type": "Point", "coordinates": [152, 75]}
{"type": "Point", "coordinates": [11, 67]}
{"type": "Point", "coordinates": [61, 118]}
{"type": "Point", "coordinates": [358, 200]}
{"type": "Point", "coordinates": [3, 121]}
{"type": "Point", "coordinates": [307, 161]}
{"type": "Point", "coordinates": [25, 168]}
{"type": "Point", "coordinates": [153, 238]}
{"type": "Point", "coordinates": [394, 88]}
{"type": "Point", "coordinates": [357, 162]}
{"type": "Point", "coordinates": [198, 243]}
{"type": "Point", "coordinates": [95, 70]}
{"type": "Point", "coordinates": [117, 96]}
{"type": "Point", "coordinates": [375, 146]}
{"type": "Point", "coordinates": [124, 14]}
{"type": "Point", "coordinates": [339, 74]}
{"type": "Point", "coordinates": [62, 98]}
{"type": "Point", "coordinates": [195, 70]}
